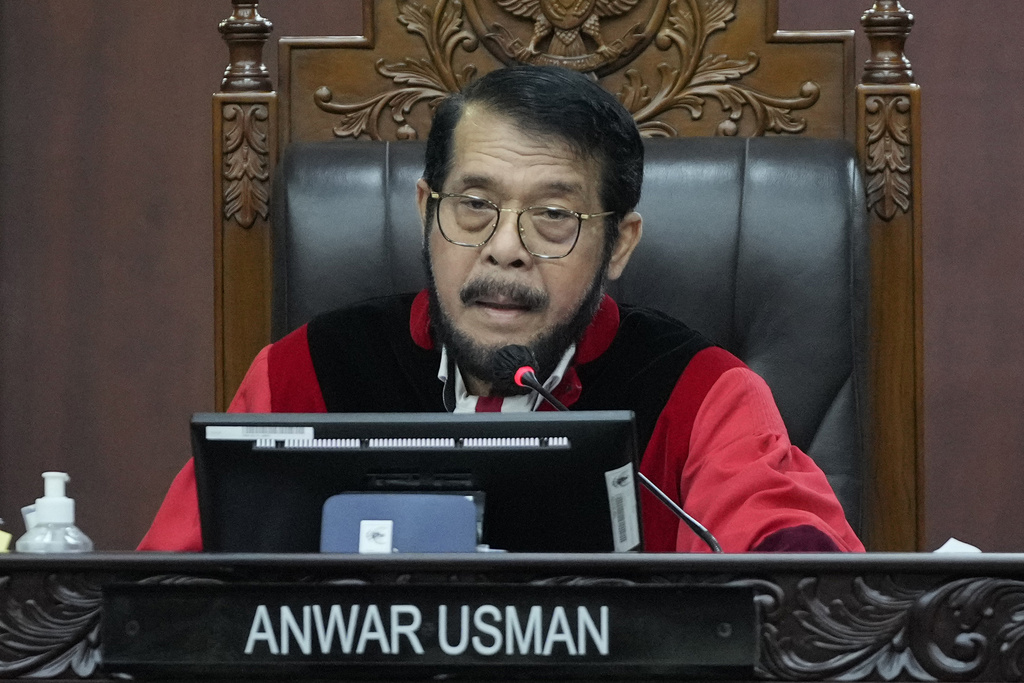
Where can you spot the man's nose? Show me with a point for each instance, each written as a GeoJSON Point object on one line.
{"type": "Point", "coordinates": [505, 248]}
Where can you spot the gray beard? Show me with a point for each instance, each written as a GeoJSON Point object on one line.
{"type": "Point", "coordinates": [477, 360]}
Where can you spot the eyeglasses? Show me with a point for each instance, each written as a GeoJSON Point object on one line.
{"type": "Point", "coordinates": [547, 232]}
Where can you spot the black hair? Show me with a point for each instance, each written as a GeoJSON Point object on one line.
{"type": "Point", "coordinates": [556, 102]}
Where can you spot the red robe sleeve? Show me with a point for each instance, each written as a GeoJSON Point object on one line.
{"type": "Point", "coordinates": [745, 481]}
{"type": "Point", "coordinates": [176, 526]}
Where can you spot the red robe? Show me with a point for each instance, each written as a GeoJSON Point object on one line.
{"type": "Point", "coordinates": [717, 443]}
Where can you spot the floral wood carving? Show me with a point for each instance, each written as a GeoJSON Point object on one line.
{"type": "Point", "coordinates": [680, 27]}
{"type": "Point", "coordinates": [246, 163]}
{"type": "Point", "coordinates": [966, 629]}
{"type": "Point", "coordinates": [699, 76]}
{"type": "Point", "coordinates": [430, 80]}
{"type": "Point", "coordinates": [45, 637]}
{"type": "Point", "coordinates": [888, 155]}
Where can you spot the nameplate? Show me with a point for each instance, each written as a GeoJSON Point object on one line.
{"type": "Point", "coordinates": [354, 631]}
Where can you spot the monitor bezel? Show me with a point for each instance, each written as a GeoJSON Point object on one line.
{"type": "Point", "coordinates": [560, 492]}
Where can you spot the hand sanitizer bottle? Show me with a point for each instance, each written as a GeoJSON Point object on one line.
{"type": "Point", "coordinates": [51, 525]}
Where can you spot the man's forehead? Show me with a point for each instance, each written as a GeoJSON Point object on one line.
{"type": "Point", "coordinates": [486, 181]}
{"type": "Point", "coordinates": [486, 142]}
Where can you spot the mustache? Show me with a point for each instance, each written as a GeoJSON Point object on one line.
{"type": "Point", "coordinates": [516, 293]}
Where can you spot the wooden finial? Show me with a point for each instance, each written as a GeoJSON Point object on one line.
{"type": "Point", "coordinates": [245, 32]}
{"type": "Point", "coordinates": [887, 25]}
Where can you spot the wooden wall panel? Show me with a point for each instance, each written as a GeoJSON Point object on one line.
{"type": "Point", "coordinates": [969, 65]}
{"type": "Point", "coordinates": [106, 252]}
{"type": "Point", "coordinates": [105, 255]}
{"type": "Point", "coordinates": [974, 257]}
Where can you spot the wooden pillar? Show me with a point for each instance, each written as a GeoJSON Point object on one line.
{"type": "Point", "coordinates": [244, 152]}
{"type": "Point", "coordinates": [889, 144]}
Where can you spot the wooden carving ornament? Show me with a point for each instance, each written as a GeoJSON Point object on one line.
{"type": "Point", "coordinates": [419, 80]}
{"type": "Point", "coordinates": [887, 165]}
{"type": "Point", "coordinates": [887, 26]}
{"type": "Point", "coordinates": [53, 633]}
{"type": "Point", "coordinates": [559, 29]}
{"type": "Point", "coordinates": [245, 32]}
{"type": "Point", "coordinates": [885, 631]}
{"type": "Point", "coordinates": [569, 33]}
{"type": "Point", "coordinates": [246, 163]}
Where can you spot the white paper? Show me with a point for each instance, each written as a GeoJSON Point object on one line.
{"type": "Point", "coordinates": [955, 546]}
{"type": "Point", "coordinates": [375, 536]}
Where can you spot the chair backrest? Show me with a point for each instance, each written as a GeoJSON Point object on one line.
{"type": "Point", "coordinates": [758, 243]}
{"type": "Point", "coordinates": [684, 70]}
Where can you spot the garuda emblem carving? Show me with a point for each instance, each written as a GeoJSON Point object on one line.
{"type": "Point", "coordinates": [565, 22]}
{"type": "Point", "coordinates": [567, 33]}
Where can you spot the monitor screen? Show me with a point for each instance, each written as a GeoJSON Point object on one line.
{"type": "Point", "coordinates": [551, 481]}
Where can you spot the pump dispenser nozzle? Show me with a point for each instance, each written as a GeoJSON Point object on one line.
{"type": "Point", "coordinates": [53, 484]}
{"type": "Point", "coordinates": [55, 507]}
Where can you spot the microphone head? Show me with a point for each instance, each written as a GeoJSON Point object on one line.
{"type": "Point", "coordinates": [509, 360]}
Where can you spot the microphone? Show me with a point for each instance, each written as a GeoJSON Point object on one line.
{"type": "Point", "coordinates": [516, 363]}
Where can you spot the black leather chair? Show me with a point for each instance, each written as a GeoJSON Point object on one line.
{"type": "Point", "coordinates": [758, 243]}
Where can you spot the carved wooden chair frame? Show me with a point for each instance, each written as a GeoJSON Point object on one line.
{"type": "Point", "coordinates": [676, 69]}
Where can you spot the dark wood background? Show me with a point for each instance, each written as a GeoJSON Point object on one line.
{"type": "Point", "coordinates": [106, 293]}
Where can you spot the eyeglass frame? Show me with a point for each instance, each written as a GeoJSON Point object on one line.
{"type": "Point", "coordinates": [580, 217]}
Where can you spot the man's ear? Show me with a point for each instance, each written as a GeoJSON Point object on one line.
{"type": "Point", "coordinates": [630, 229]}
{"type": "Point", "coordinates": [422, 195]}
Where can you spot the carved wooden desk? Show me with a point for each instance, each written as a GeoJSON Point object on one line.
{"type": "Point", "coordinates": [869, 617]}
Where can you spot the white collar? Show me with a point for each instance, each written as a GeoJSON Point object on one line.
{"type": "Point", "coordinates": [466, 402]}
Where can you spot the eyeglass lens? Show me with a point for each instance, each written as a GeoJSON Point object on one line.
{"type": "Point", "coordinates": [545, 231]}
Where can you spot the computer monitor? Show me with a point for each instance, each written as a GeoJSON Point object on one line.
{"type": "Point", "coordinates": [552, 482]}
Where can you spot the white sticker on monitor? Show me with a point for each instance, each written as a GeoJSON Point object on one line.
{"type": "Point", "coordinates": [622, 504]}
{"type": "Point", "coordinates": [254, 432]}
{"type": "Point", "coordinates": [375, 536]}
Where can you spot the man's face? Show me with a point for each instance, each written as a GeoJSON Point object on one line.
{"type": "Point", "coordinates": [500, 294]}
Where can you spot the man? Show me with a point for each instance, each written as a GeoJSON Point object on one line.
{"type": "Point", "coordinates": [527, 201]}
